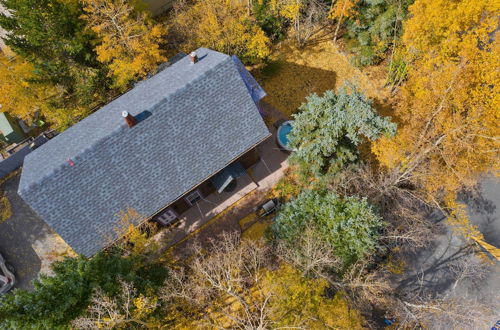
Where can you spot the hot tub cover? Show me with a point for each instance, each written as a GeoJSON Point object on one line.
{"type": "Point", "coordinates": [222, 179]}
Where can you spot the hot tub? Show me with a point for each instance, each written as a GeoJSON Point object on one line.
{"type": "Point", "coordinates": [282, 135]}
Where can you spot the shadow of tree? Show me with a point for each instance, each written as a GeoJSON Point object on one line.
{"type": "Point", "coordinates": [287, 84]}
{"type": "Point", "coordinates": [387, 108]}
{"type": "Point", "coordinates": [477, 202]}
{"type": "Point", "coordinates": [324, 34]}
{"type": "Point", "coordinates": [482, 208]}
{"type": "Point", "coordinates": [432, 274]}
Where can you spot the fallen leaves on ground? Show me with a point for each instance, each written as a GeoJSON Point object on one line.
{"type": "Point", "coordinates": [5, 208]}
{"type": "Point", "coordinates": [294, 73]}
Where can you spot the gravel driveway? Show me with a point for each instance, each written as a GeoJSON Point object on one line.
{"type": "Point", "coordinates": [18, 234]}
{"type": "Point", "coordinates": [430, 269]}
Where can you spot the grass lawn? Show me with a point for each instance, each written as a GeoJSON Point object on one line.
{"type": "Point", "coordinates": [294, 73]}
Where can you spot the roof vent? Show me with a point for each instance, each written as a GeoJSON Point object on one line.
{"type": "Point", "coordinates": [193, 57]}
{"type": "Point", "coordinates": [129, 119]}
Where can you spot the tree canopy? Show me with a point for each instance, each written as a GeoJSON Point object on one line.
{"type": "Point", "coordinates": [51, 35]}
{"type": "Point", "coordinates": [129, 42]}
{"type": "Point", "coordinates": [449, 103]}
{"type": "Point", "coordinates": [20, 96]}
{"type": "Point", "coordinates": [328, 129]}
{"type": "Point", "coordinates": [340, 10]}
{"type": "Point", "coordinates": [301, 302]}
{"type": "Point", "coordinates": [225, 26]}
{"type": "Point", "coordinates": [58, 299]}
{"type": "Point", "coordinates": [348, 225]}
{"type": "Point", "coordinates": [323, 255]}
{"type": "Point", "coordinates": [54, 40]}
{"type": "Point", "coordinates": [374, 28]}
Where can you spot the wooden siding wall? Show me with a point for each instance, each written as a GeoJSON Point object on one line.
{"type": "Point", "coordinates": [249, 159]}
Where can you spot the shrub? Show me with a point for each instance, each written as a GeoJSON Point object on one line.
{"type": "Point", "coordinates": [57, 300]}
{"type": "Point", "coordinates": [328, 129]}
{"type": "Point", "coordinates": [348, 225]}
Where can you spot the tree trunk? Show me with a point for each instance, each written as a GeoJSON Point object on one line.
{"type": "Point", "coordinates": [339, 21]}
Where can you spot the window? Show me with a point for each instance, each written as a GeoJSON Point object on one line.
{"type": "Point", "coordinates": [193, 197]}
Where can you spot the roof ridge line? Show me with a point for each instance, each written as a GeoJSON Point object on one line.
{"type": "Point", "coordinates": [60, 166]}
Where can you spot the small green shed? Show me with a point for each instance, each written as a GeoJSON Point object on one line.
{"type": "Point", "coordinates": [10, 132]}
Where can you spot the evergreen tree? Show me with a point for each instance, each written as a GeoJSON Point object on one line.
{"type": "Point", "coordinates": [58, 299]}
{"type": "Point", "coordinates": [51, 35]}
{"type": "Point", "coordinates": [348, 225]}
{"type": "Point", "coordinates": [375, 27]}
{"type": "Point", "coordinates": [269, 19]}
{"type": "Point", "coordinates": [328, 129]}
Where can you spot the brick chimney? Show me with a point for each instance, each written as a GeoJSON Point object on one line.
{"type": "Point", "coordinates": [129, 119]}
{"type": "Point", "coordinates": [193, 57]}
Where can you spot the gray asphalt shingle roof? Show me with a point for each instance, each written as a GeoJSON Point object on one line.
{"type": "Point", "coordinates": [197, 119]}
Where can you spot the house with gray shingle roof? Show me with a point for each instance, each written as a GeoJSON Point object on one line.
{"type": "Point", "coordinates": [185, 132]}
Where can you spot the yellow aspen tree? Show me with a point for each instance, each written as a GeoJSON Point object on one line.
{"type": "Point", "coordinates": [222, 25]}
{"type": "Point", "coordinates": [291, 10]}
{"type": "Point", "coordinates": [129, 42]}
{"type": "Point", "coordinates": [131, 232]}
{"type": "Point", "coordinates": [19, 95]}
{"type": "Point", "coordinates": [299, 301]}
{"type": "Point", "coordinates": [342, 9]}
{"type": "Point", "coordinates": [448, 107]}
{"type": "Point", "coordinates": [306, 17]}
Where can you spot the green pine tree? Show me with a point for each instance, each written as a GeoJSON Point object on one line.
{"type": "Point", "coordinates": [372, 32]}
{"type": "Point", "coordinates": [57, 300]}
{"type": "Point", "coordinates": [328, 129]}
{"type": "Point", "coordinates": [51, 35]}
{"type": "Point", "coordinates": [348, 225]}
